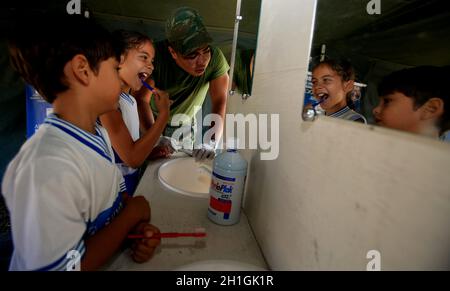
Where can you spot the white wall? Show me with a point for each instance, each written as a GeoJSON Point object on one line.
{"type": "Point", "coordinates": [338, 189]}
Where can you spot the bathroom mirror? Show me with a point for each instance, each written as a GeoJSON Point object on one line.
{"type": "Point", "coordinates": [377, 38]}
{"type": "Point", "coordinates": [246, 47]}
{"type": "Point", "coordinates": [219, 17]}
{"type": "Point", "coordinates": [149, 17]}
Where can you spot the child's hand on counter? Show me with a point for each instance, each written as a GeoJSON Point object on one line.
{"type": "Point", "coordinates": [143, 249]}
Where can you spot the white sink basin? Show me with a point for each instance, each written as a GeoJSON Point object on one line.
{"type": "Point", "coordinates": [219, 265]}
{"type": "Point", "coordinates": [187, 177]}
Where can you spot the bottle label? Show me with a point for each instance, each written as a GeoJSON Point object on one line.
{"type": "Point", "coordinates": [221, 205]}
{"type": "Point", "coordinates": [225, 198]}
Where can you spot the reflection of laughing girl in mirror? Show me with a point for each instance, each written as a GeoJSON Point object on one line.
{"type": "Point", "coordinates": [332, 84]}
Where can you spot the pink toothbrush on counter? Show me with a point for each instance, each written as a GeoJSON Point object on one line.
{"type": "Point", "coordinates": [198, 233]}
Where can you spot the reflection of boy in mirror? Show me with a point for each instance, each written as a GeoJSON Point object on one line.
{"type": "Point", "coordinates": [332, 85]}
{"type": "Point", "coordinates": [187, 66]}
{"type": "Point", "coordinates": [415, 100]}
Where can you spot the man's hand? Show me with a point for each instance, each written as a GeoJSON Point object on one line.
{"type": "Point", "coordinates": [206, 152]}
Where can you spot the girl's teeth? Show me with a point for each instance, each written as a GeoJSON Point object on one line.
{"type": "Point", "coordinates": [142, 76]}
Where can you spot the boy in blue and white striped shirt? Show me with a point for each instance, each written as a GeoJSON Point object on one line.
{"type": "Point", "coordinates": [63, 191]}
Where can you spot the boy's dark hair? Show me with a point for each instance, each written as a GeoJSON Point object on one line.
{"type": "Point", "coordinates": [126, 40]}
{"type": "Point", "coordinates": [421, 84]}
{"type": "Point", "coordinates": [39, 50]}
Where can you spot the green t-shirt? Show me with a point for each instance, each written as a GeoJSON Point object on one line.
{"type": "Point", "coordinates": [185, 91]}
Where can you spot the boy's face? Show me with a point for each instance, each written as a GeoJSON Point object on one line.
{"type": "Point", "coordinates": [137, 61]}
{"type": "Point", "coordinates": [328, 85]}
{"type": "Point", "coordinates": [107, 85]}
{"type": "Point", "coordinates": [194, 63]}
{"type": "Point", "coordinates": [397, 111]}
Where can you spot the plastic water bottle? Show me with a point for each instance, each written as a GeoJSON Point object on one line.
{"type": "Point", "coordinates": [227, 186]}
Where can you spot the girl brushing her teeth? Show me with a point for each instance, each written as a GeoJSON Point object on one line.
{"type": "Point", "coordinates": [332, 83]}
{"type": "Point", "coordinates": [130, 148]}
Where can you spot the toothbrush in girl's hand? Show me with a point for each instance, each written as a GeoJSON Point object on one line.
{"type": "Point", "coordinates": [148, 86]}
{"type": "Point", "coordinates": [325, 97]}
{"type": "Point", "coordinates": [142, 77]}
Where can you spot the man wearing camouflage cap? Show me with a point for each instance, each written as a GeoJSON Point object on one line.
{"type": "Point", "coordinates": [186, 66]}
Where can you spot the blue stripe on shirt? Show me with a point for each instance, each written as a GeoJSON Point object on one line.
{"type": "Point", "coordinates": [105, 217]}
{"type": "Point", "coordinates": [340, 112]}
{"type": "Point", "coordinates": [61, 263]}
{"type": "Point", "coordinates": [98, 140]}
{"type": "Point", "coordinates": [127, 98]}
{"type": "Point", "coordinates": [82, 140]}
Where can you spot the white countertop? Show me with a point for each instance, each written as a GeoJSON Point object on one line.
{"type": "Point", "coordinates": [173, 212]}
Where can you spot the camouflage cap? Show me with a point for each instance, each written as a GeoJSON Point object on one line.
{"type": "Point", "coordinates": [185, 31]}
